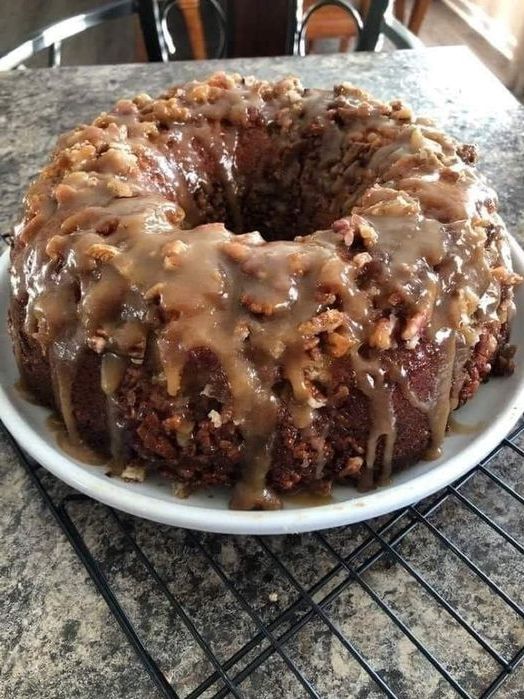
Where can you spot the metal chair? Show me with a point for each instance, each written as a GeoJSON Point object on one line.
{"type": "Point", "coordinates": [192, 13]}
{"type": "Point", "coordinates": [153, 16]}
{"type": "Point", "coordinates": [52, 36]}
{"type": "Point", "coordinates": [377, 21]}
{"type": "Point", "coordinates": [154, 22]}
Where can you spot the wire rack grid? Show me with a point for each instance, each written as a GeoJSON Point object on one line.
{"type": "Point", "coordinates": [427, 601]}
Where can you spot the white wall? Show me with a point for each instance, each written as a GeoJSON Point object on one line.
{"type": "Point", "coordinates": [499, 21]}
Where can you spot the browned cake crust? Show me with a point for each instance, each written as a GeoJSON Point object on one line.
{"type": "Point", "coordinates": [170, 339]}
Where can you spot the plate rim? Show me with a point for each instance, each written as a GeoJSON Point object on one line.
{"type": "Point", "coordinates": [118, 494]}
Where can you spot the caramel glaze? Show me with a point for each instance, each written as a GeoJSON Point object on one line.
{"type": "Point", "coordinates": [126, 250]}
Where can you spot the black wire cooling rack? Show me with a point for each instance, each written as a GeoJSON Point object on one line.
{"type": "Point", "coordinates": [425, 602]}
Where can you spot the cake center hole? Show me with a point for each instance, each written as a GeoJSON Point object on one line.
{"type": "Point", "coordinates": [271, 186]}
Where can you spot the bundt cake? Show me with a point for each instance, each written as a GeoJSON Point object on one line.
{"type": "Point", "coordinates": [329, 345]}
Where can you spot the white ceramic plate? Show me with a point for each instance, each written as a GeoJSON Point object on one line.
{"type": "Point", "coordinates": [497, 405]}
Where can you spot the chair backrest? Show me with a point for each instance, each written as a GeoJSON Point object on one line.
{"type": "Point", "coordinates": [377, 21]}
{"type": "Point", "coordinates": [51, 36]}
{"type": "Point", "coordinates": [159, 45]}
{"type": "Point", "coordinates": [194, 14]}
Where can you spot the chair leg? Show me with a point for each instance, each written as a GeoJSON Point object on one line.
{"type": "Point", "coordinates": [149, 15]}
{"type": "Point", "coordinates": [191, 11]}
{"type": "Point", "coordinates": [420, 7]}
{"type": "Point", "coordinates": [399, 8]}
{"type": "Point", "coordinates": [363, 8]}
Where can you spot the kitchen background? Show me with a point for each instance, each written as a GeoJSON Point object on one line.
{"type": "Point", "coordinates": [492, 29]}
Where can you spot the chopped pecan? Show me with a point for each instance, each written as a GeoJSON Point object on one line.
{"type": "Point", "coordinates": [173, 423]}
{"type": "Point", "coordinates": [119, 160]}
{"type": "Point", "coordinates": [502, 274]}
{"type": "Point", "coordinates": [55, 246]}
{"type": "Point", "coordinates": [175, 215]}
{"type": "Point", "coordinates": [124, 106]}
{"type": "Point", "coordinates": [401, 112]}
{"type": "Point", "coordinates": [257, 307]}
{"type": "Point", "coordinates": [215, 418]}
{"type": "Point", "coordinates": [345, 228]}
{"type": "Point", "coordinates": [121, 190]}
{"type": "Point", "coordinates": [102, 252]}
{"type": "Point", "coordinates": [381, 335]}
{"type": "Point", "coordinates": [385, 201]}
{"type": "Point", "coordinates": [108, 226]}
{"type": "Point", "coordinates": [64, 194]}
{"type": "Point", "coordinates": [134, 472]}
{"type": "Point", "coordinates": [490, 204]}
{"type": "Point", "coordinates": [468, 301]}
{"type": "Point", "coordinates": [224, 80]}
{"type": "Point", "coordinates": [449, 175]}
{"type": "Point", "coordinates": [154, 292]}
{"type": "Point", "coordinates": [395, 298]}
{"type": "Point", "coordinates": [325, 297]}
{"type": "Point", "coordinates": [367, 232]}
{"type": "Point", "coordinates": [183, 490]}
{"type": "Point", "coordinates": [142, 99]}
{"type": "Point", "coordinates": [241, 331]}
{"type": "Point", "coordinates": [236, 251]}
{"type": "Point", "coordinates": [414, 326]}
{"type": "Point", "coordinates": [172, 111]}
{"type": "Point", "coordinates": [328, 321]}
{"type": "Point", "coordinates": [310, 343]}
{"type": "Point", "coordinates": [174, 252]}
{"type": "Point", "coordinates": [361, 259]}
{"type": "Point", "coordinates": [355, 227]}
{"type": "Point", "coordinates": [346, 89]}
{"type": "Point", "coordinates": [505, 364]}
{"type": "Point", "coordinates": [98, 341]}
{"type": "Point", "coordinates": [298, 264]}
{"type": "Point", "coordinates": [178, 423]}
{"type": "Point", "coordinates": [198, 93]}
{"type": "Point", "coordinates": [351, 467]}
{"type": "Point", "coordinates": [316, 401]}
{"type": "Point", "coordinates": [338, 344]}
{"type": "Point", "coordinates": [416, 139]}
{"type": "Point", "coordinates": [467, 153]}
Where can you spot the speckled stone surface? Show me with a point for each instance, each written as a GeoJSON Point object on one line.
{"type": "Point", "coordinates": [58, 639]}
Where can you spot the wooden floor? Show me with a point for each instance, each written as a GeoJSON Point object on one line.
{"type": "Point", "coordinates": [105, 45]}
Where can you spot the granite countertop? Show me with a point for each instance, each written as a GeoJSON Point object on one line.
{"type": "Point", "coordinates": [57, 636]}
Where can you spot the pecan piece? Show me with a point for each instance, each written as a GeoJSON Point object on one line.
{"type": "Point", "coordinates": [257, 307]}
{"type": "Point", "coordinates": [97, 342]}
{"type": "Point", "coordinates": [381, 335]}
{"type": "Point", "coordinates": [413, 326]}
{"type": "Point", "coordinates": [108, 226]}
{"type": "Point", "coordinates": [121, 190]}
{"type": "Point", "coordinates": [504, 276]}
{"type": "Point", "coordinates": [134, 472]}
{"type": "Point", "coordinates": [174, 253]}
{"type": "Point", "coordinates": [467, 153]}
{"type": "Point", "coordinates": [328, 321]}
{"type": "Point", "coordinates": [401, 112]}
{"type": "Point", "coordinates": [235, 251]}
{"type": "Point", "coordinates": [361, 259]}
{"type": "Point", "coordinates": [338, 344]}
{"type": "Point", "coordinates": [351, 467]}
{"type": "Point", "coordinates": [55, 246]}
{"type": "Point", "coordinates": [102, 252]}
{"type": "Point", "coordinates": [154, 292]}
